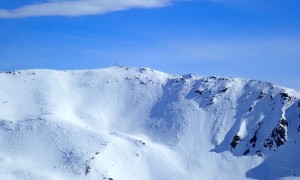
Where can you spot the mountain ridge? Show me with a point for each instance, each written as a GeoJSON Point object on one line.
{"type": "Point", "coordinates": [146, 124]}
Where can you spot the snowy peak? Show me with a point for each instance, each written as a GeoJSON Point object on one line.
{"type": "Point", "coordinates": [92, 124]}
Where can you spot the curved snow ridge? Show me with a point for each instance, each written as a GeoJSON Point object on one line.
{"type": "Point", "coordinates": [139, 123]}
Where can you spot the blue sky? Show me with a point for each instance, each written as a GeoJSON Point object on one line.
{"type": "Point", "coordinates": [254, 39]}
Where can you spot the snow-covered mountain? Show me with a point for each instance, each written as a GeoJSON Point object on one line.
{"type": "Point", "coordinates": [126, 123]}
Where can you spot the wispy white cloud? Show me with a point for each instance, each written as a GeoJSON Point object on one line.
{"type": "Point", "coordinates": [79, 7]}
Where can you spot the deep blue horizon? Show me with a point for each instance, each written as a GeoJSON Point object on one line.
{"type": "Point", "coordinates": [253, 39]}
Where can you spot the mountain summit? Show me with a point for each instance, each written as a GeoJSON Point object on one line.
{"type": "Point", "coordinates": [137, 123]}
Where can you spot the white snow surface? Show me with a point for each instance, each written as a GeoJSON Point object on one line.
{"type": "Point", "coordinates": [137, 123]}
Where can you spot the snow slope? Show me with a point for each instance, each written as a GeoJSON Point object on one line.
{"type": "Point", "coordinates": [137, 123]}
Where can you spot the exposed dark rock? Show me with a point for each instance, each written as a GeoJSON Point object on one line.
{"type": "Point", "coordinates": [278, 135]}
{"type": "Point", "coordinates": [258, 153]}
{"type": "Point", "coordinates": [224, 90]}
{"type": "Point", "coordinates": [268, 143]}
{"type": "Point", "coordinates": [246, 152]}
{"type": "Point", "coordinates": [262, 95]}
{"type": "Point", "coordinates": [284, 95]}
{"type": "Point", "coordinates": [182, 79]}
{"type": "Point", "coordinates": [284, 122]}
{"type": "Point", "coordinates": [235, 141]}
{"type": "Point", "coordinates": [199, 91]}
{"type": "Point", "coordinates": [143, 143]}
{"type": "Point", "coordinates": [87, 169]}
{"type": "Point", "coordinates": [253, 140]}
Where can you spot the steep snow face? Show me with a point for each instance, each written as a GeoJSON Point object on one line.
{"type": "Point", "coordinates": [129, 123]}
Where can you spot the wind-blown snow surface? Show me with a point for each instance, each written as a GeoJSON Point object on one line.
{"type": "Point", "coordinates": [127, 123]}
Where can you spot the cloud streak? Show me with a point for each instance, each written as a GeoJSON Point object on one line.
{"type": "Point", "coordinates": [79, 7]}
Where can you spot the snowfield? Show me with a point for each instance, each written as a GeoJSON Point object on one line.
{"type": "Point", "coordinates": [137, 123]}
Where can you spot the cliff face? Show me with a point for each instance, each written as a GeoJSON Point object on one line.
{"type": "Point", "coordinates": [128, 123]}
